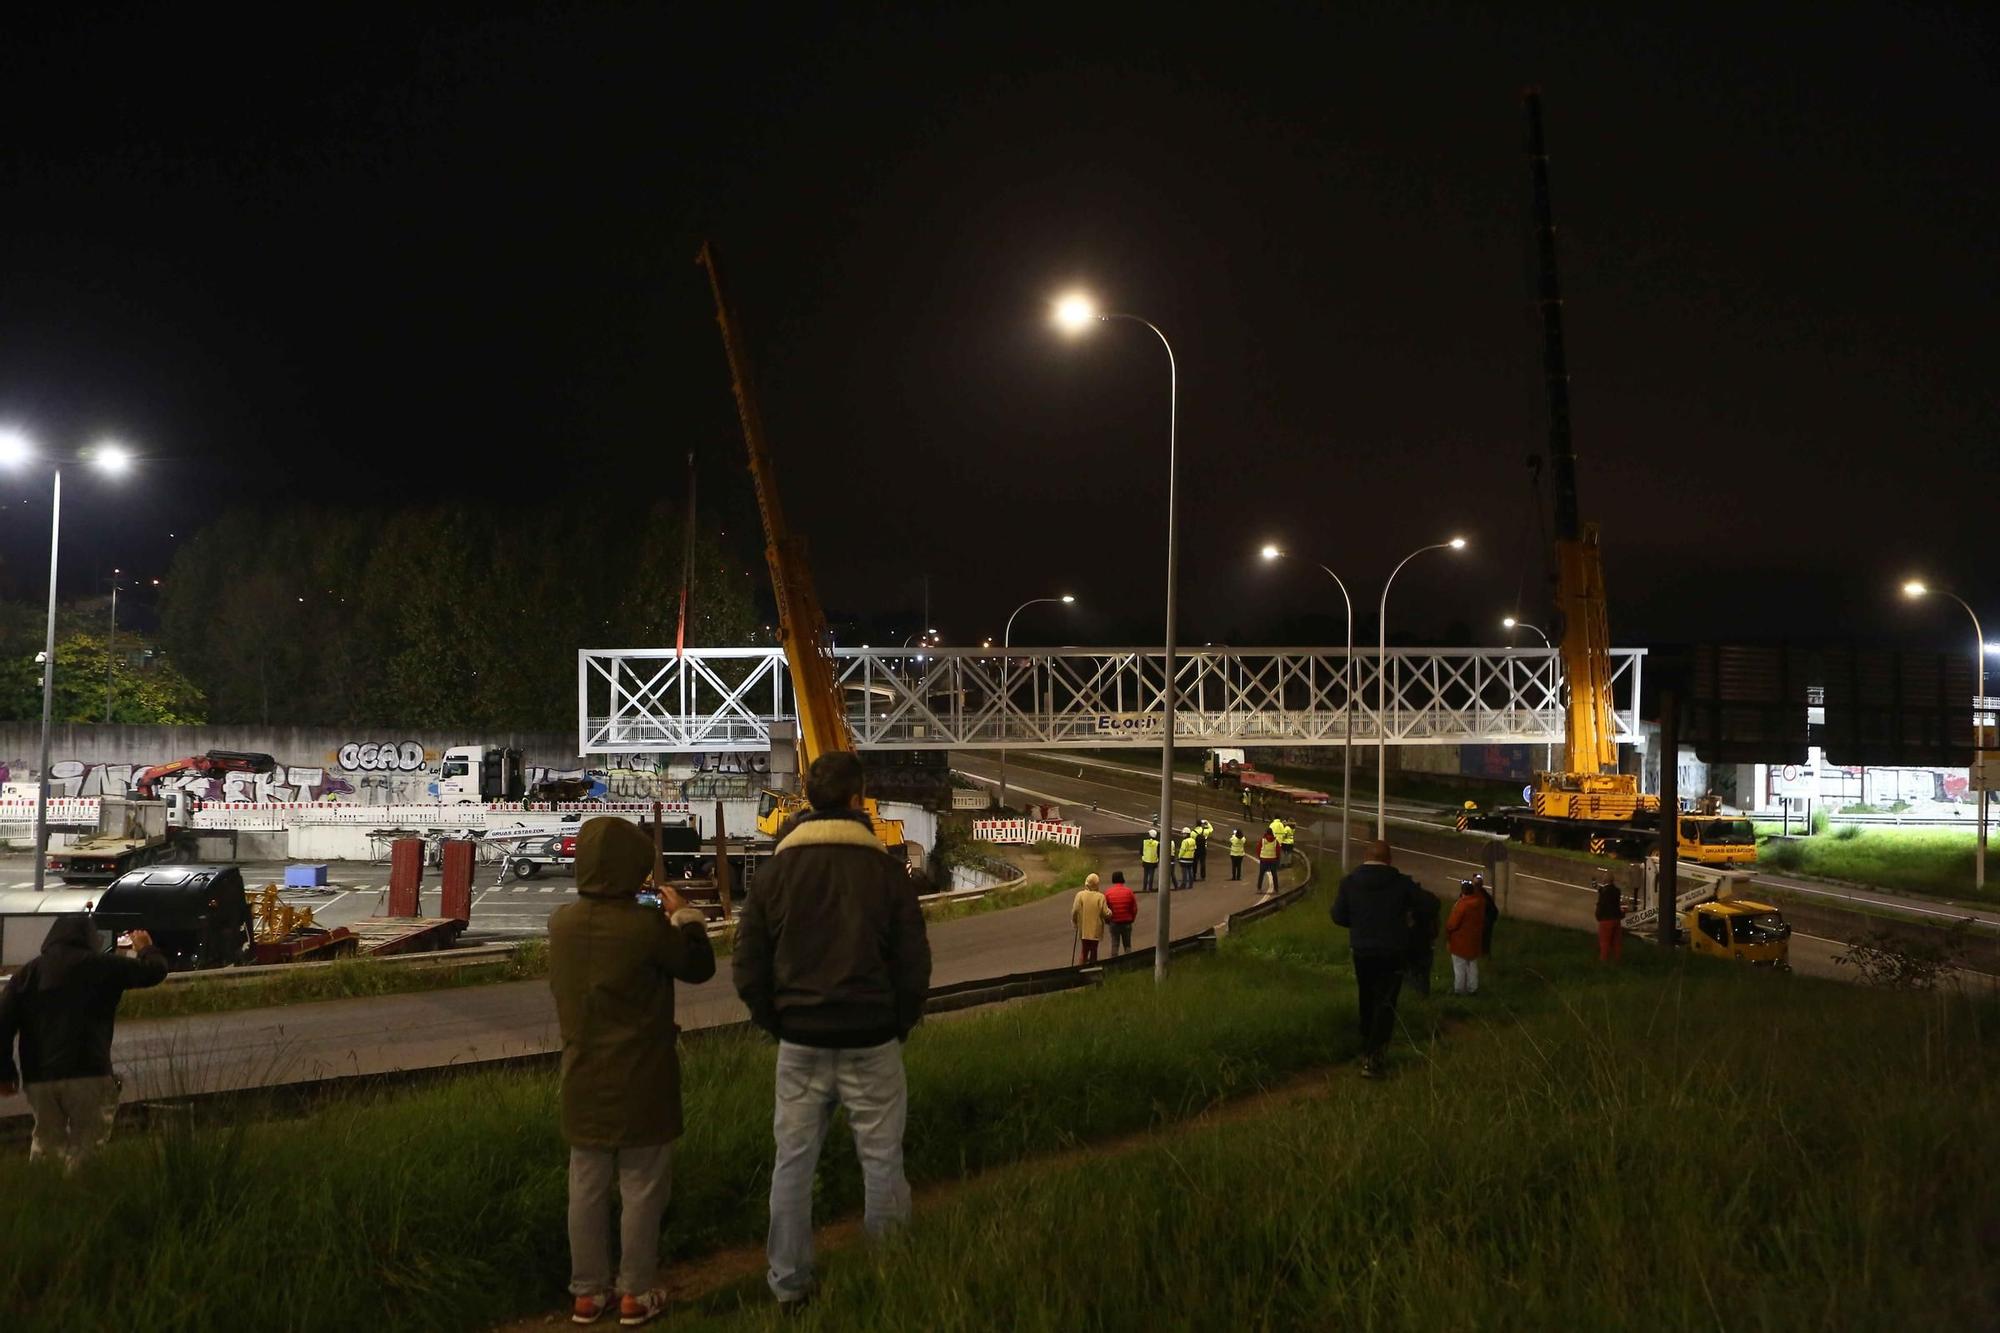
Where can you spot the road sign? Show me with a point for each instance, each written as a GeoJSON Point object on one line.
{"type": "Point", "coordinates": [1798, 781]}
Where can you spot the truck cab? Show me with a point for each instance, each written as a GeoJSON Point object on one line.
{"type": "Point", "coordinates": [474, 774]}
{"type": "Point", "coordinates": [1718, 840]}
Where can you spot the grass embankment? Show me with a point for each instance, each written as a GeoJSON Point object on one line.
{"type": "Point", "coordinates": [1674, 1144]}
{"type": "Point", "coordinates": [1670, 1143]}
{"type": "Point", "coordinates": [1050, 868]}
{"type": "Point", "coordinates": [1936, 863]}
{"type": "Point", "coordinates": [345, 980]}
{"type": "Point", "coordinates": [443, 1208]}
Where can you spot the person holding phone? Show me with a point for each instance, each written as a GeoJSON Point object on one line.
{"type": "Point", "coordinates": [614, 956]}
{"type": "Point", "coordinates": [62, 1006]}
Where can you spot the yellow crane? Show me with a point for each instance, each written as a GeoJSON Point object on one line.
{"type": "Point", "coordinates": [801, 623]}
{"type": "Point", "coordinates": [1590, 805]}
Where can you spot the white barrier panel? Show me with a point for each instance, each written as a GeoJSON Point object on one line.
{"type": "Point", "coordinates": [275, 815]}
{"type": "Point", "coordinates": [71, 810]}
{"type": "Point", "coordinates": [1026, 831]}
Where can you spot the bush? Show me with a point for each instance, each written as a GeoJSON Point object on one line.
{"type": "Point", "coordinates": [1847, 833]}
{"type": "Point", "coordinates": [1819, 821]}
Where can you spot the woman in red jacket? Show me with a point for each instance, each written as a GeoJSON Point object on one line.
{"type": "Point", "coordinates": [1124, 905]}
{"type": "Point", "coordinates": [1463, 932]}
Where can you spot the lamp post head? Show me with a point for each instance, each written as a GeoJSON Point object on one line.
{"type": "Point", "coordinates": [1915, 588]}
{"type": "Point", "coordinates": [1509, 623]}
{"type": "Point", "coordinates": [1456, 543]}
{"type": "Point", "coordinates": [111, 458]}
{"type": "Point", "coordinates": [1270, 552]}
{"type": "Point", "coordinates": [15, 448]}
{"type": "Point", "coordinates": [1076, 312]}
{"type": "Point", "coordinates": [1068, 600]}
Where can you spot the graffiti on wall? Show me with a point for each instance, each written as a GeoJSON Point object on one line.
{"type": "Point", "coordinates": [296, 782]}
{"type": "Point", "coordinates": [382, 757]}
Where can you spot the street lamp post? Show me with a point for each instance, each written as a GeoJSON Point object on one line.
{"type": "Point", "coordinates": [1346, 708]}
{"type": "Point", "coordinates": [1382, 685]}
{"type": "Point", "coordinates": [1077, 313]}
{"type": "Point", "coordinates": [16, 451]}
{"type": "Point", "coordinates": [1917, 588]}
{"type": "Point", "coordinates": [1006, 660]}
{"type": "Point", "coordinates": [1549, 750]}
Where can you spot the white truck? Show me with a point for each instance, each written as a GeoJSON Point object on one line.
{"type": "Point", "coordinates": [474, 774]}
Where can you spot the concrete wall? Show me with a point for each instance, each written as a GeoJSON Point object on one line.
{"type": "Point", "coordinates": [371, 765]}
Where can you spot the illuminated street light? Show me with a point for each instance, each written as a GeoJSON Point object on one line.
{"type": "Point", "coordinates": [1006, 660]}
{"type": "Point", "coordinates": [16, 451]}
{"type": "Point", "coordinates": [1918, 588]}
{"type": "Point", "coordinates": [1382, 686]}
{"type": "Point", "coordinates": [1075, 313]}
{"type": "Point", "coordinates": [1347, 709]}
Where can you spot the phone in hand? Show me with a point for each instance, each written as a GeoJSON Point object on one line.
{"type": "Point", "coordinates": [649, 898]}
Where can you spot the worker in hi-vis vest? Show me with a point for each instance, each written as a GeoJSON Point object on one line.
{"type": "Point", "coordinates": [1184, 870]}
{"type": "Point", "coordinates": [1149, 857]}
{"type": "Point", "coordinates": [1237, 846]}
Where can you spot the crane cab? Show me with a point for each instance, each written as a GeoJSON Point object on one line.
{"type": "Point", "coordinates": [1740, 929]}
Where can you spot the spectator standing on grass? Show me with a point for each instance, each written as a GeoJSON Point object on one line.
{"type": "Point", "coordinates": [1267, 863]}
{"type": "Point", "coordinates": [613, 961]}
{"type": "Point", "coordinates": [1237, 846]}
{"type": "Point", "coordinates": [1375, 902]}
{"type": "Point", "coordinates": [833, 960]}
{"type": "Point", "coordinates": [1464, 931]}
{"type": "Point", "coordinates": [62, 1005]}
{"type": "Point", "coordinates": [1090, 912]}
{"type": "Point", "coordinates": [1610, 918]}
{"type": "Point", "coordinates": [1124, 905]}
{"type": "Point", "coordinates": [1149, 858]}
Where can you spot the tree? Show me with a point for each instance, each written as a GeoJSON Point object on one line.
{"type": "Point", "coordinates": [154, 693]}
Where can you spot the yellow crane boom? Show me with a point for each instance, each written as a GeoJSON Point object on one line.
{"type": "Point", "coordinates": [801, 622]}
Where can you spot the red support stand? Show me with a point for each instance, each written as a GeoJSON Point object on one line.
{"type": "Point", "coordinates": [458, 860]}
{"type": "Point", "coordinates": [406, 876]}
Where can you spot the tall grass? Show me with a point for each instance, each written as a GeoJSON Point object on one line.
{"type": "Point", "coordinates": [348, 979]}
{"type": "Point", "coordinates": [1929, 862]}
{"type": "Point", "coordinates": [1678, 1145]}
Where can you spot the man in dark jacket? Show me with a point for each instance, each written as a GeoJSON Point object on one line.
{"type": "Point", "coordinates": [833, 960]}
{"type": "Point", "coordinates": [1375, 902]}
{"type": "Point", "coordinates": [62, 1005]}
{"type": "Point", "coordinates": [613, 961]}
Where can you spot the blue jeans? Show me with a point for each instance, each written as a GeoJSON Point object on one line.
{"type": "Point", "coordinates": [811, 1082]}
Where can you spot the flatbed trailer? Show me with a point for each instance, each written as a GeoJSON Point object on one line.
{"type": "Point", "coordinates": [372, 937]}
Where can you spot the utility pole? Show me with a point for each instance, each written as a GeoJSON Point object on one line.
{"type": "Point", "coordinates": [110, 642]}
{"type": "Point", "coordinates": [1668, 884]}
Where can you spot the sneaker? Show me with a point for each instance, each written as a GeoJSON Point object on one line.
{"type": "Point", "coordinates": [1369, 1069]}
{"type": "Point", "coordinates": [794, 1308]}
{"type": "Point", "coordinates": [590, 1309]}
{"type": "Point", "coordinates": [641, 1309]}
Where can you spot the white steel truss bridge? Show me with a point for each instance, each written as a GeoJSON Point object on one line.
{"type": "Point", "coordinates": [653, 701]}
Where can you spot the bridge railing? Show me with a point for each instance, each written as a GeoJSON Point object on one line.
{"type": "Point", "coordinates": [652, 700]}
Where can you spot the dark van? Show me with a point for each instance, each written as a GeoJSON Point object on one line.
{"type": "Point", "coordinates": [197, 914]}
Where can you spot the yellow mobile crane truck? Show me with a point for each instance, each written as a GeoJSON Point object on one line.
{"type": "Point", "coordinates": [801, 623]}
{"type": "Point", "coordinates": [1590, 805]}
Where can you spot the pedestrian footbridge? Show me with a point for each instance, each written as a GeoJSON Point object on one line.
{"type": "Point", "coordinates": [705, 700]}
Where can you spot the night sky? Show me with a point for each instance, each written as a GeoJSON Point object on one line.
{"type": "Point", "coordinates": [398, 259]}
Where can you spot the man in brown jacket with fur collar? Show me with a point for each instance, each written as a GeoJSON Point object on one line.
{"type": "Point", "coordinates": [832, 960]}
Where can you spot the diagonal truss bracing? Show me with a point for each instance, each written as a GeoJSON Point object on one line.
{"type": "Point", "coordinates": [649, 701]}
